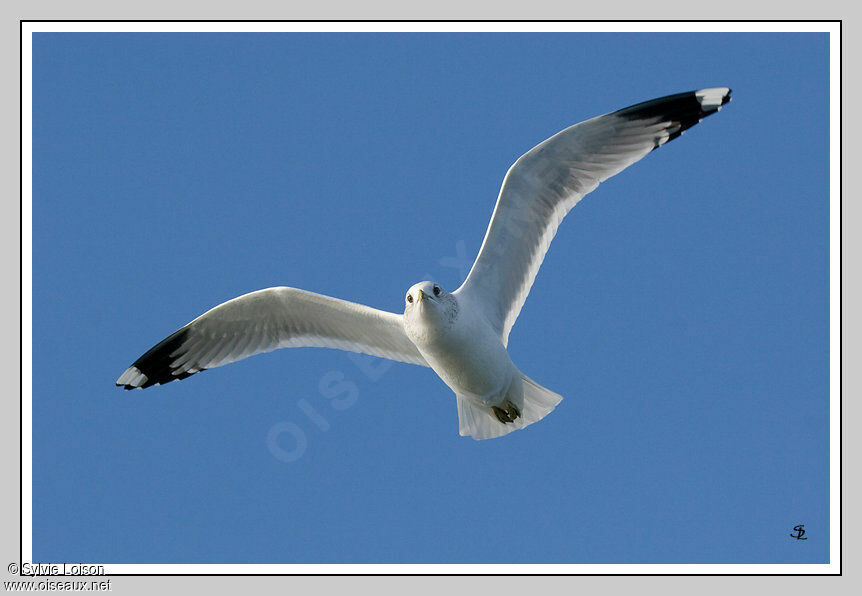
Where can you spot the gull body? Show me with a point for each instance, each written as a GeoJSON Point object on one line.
{"type": "Point", "coordinates": [463, 335]}
{"type": "Point", "coordinates": [459, 344]}
{"type": "Point", "coordinates": [457, 340]}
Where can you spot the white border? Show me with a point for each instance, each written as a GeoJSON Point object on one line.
{"type": "Point", "coordinates": [26, 295]}
{"type": "Point", "coordinates": [835, 429]}
{"type": "Point", "coordinates": [437, 27]}
{"type": "Point", "coordinates": [720, 26]}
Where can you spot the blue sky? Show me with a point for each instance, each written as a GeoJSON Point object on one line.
{"type": "Point", "coordinates": [682, 310]}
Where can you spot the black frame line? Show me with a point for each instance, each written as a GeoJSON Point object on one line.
{"type": "Point", "coordinates": [21, 22]}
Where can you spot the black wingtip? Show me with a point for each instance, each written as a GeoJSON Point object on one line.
{"type": "Point", "coordinates": [683, 110]}
{"type": "Point", "coordinates": [155, 364]}
{"type": "Point", "coordinates": [699, 100]}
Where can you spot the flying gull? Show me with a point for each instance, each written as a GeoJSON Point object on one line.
{"type": "Point", "coordinates": [462, 335]}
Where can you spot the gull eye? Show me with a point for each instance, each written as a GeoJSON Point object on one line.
{"type": "Point", "coordinates": [436, 290]}
{"type": "Point", "coordinates": [410, 298]}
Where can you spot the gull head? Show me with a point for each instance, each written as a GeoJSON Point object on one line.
{"type": "Point", "coordinates": [429, 303]}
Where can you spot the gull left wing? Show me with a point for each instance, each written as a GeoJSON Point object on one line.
{"type": "Point", "coordinates": [547, 181]}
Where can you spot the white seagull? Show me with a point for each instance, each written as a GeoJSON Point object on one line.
{"type": "Point", "coordinates": [461, 335]}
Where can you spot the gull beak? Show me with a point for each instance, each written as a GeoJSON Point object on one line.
{"type": "Point", "coordinates": [419, 297]}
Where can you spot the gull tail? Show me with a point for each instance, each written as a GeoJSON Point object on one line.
{"type": "Point", "coordinates": [527, 402]}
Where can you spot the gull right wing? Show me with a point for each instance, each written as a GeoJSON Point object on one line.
{"type": "Point", "coordinates": [266, 320]}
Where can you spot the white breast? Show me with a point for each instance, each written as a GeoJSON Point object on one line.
{"type": "Point", "coordinates": [468, 354]}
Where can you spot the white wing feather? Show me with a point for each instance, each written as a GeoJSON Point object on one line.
{"type": "Point", "coordinates": [547, 181]}
{"type": "Point", "coordinates": [266, 320]}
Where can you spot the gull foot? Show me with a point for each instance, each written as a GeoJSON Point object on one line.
{"type": "Point", "coordinates": [506, 412]}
